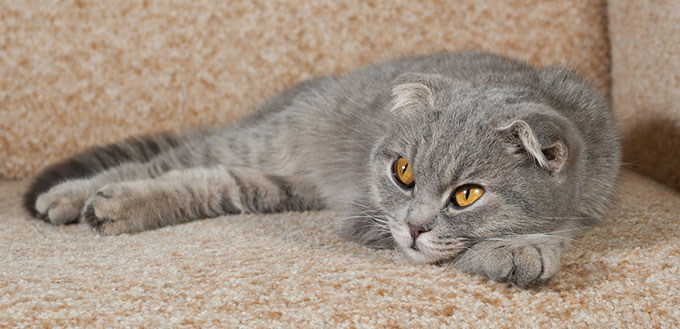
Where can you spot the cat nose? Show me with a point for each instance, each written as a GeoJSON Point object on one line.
{"type": "Point", "coordinates": [417, 230]}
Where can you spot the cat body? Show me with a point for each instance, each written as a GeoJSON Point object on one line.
{"type": "Point", "coordinates": [399, 147]}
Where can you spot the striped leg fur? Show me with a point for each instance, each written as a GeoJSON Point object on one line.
{"type": "Point", "coordinates": [63, 203]}
{"type": "Point", "coordinates": [181, 196]}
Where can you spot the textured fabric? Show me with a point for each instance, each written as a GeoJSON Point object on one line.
{"type": "Point", "coordinates": [78, 73]}
{"type": "Point", "coordinates": [291, 271]}
{"type": "Point", "coordinates": [645, 38]}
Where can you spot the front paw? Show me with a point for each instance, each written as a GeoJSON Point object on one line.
{"type": "Point", "coordinates": [62, 203]}
{"type": "Point", "coordinates": [523, 261]}
{"type": "Point", "coordinates": [114, 209]}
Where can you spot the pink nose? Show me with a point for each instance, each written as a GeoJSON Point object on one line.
{"type": "Point", "coordinates": [416, 231]}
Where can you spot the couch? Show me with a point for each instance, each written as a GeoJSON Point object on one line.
{"type": "Point", "coordinates": [78, 73]}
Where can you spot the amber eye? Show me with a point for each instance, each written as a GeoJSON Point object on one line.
{"type": "Point", "coordinates": [402, 172]}
{"type": "Point", "coordinates": [467, 195]}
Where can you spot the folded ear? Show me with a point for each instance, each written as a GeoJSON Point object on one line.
{"type": "Point", "coordinates": [543, 138]}
{"type": "Point", "coordinates": [411, 91]}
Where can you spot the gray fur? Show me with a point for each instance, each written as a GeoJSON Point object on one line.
{"type": "Point", "coordinates": [541, 142]}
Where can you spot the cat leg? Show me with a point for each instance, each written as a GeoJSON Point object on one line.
{"type": "Point", "coordinates": [523, 260]}
{"type": "Point", "coordinates": [185, 195]}
{"type": "Point", "coordinates": [63, 202]}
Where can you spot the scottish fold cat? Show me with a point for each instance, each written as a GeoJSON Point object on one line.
{"type": "Point", "coordinates": [469, 160]}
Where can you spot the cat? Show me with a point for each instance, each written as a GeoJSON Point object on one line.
{"type": "Point", "coordinates": [470, 160]}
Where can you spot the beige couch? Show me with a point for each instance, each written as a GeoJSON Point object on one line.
{"type": "Point", "coordinates": [75, 74]}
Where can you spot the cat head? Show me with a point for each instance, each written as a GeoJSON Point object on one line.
{"type": "Point", "coordinates": [463, 162]}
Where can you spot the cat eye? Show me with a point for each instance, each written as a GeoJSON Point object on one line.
{"type": "Point", "coordinates": [401, 170]}
{"type": "Point", "coordinates": [467, 195]}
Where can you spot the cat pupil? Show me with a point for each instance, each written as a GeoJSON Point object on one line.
{"type": "Point", "coordinates": [403, 168]}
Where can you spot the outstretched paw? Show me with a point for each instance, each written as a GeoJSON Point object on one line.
{"type": "Point", "coordinates": [110, 211]}
{"type": "Point", "coordinates": [126, 207]}
{"type": "Point", "coordinates": [62, 203]}
{"type": "Point", "coordinates": [520, 261]}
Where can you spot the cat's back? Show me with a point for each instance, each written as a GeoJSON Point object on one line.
{"type": "Point", "coordinates": [467, 66]}
{"type": "Point", "coordinates": [368, 88]}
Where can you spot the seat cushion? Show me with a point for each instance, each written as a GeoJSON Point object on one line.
{"type": "Point", "coordinates": [291, 270]}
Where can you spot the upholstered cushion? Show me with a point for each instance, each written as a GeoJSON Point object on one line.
{"type": "Point", "coordinates": [292, 271]}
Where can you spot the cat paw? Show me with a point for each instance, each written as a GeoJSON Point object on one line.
{"type": "Point", "coordinates": [62, 203]}
{"type": "Point", "coordinates": [114, 209]}
{"type": "Point", "coordinates": [523, 262]}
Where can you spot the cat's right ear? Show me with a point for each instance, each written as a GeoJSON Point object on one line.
{"type": "Point", "coordinates": [415, 91]}
{"type": "Point", "coordinates": [545, 139]}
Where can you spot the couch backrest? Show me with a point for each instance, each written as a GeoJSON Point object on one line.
{"type": "Point", "coordinates": [645, 47]}
{"type": "Point", "coordinates": [75, 74]}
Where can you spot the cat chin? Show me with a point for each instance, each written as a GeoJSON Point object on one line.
{"type": "Point", "coordinates": [419, 257]}
{"type": "Point", "coordinates": [404, 241]}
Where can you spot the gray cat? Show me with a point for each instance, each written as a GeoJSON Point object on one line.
{"type": "Point", "coordinates": [470, 160]}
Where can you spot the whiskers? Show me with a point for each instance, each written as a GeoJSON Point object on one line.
{"type": "Point", "coordinates": [378, 220]}
{"type": "Point", "coordinates": [356, 204]}
{"type": "Point", "coordinates": [367, 212]}
{"type": "Point", "coordinates": [440, 254]}
{"type": "Point", "coordinates": [373, 224]}
{"type": "Point", "coordinates": [564, 235]}
{"type": "Point", "coordinates": [369, 220]}
{"type": "Point", "coordinates": [449, 249]}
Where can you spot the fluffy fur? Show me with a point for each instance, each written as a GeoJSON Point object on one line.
{"type": "Point", "coordinates": [541, 143]}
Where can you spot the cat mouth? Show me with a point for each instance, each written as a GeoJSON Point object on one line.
{"type": "Point", "coordinates": [420, 256]}
{"type": "Point", "coordinates": [422, 250]}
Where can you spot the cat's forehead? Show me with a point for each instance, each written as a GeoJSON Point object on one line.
{"type": "Point", "coordinates": [462, 128]}
{"type": "Point", "coordinates": [484, 93]}
{"type": "Point", "coordinates": [474, 109]}
{"type": "Point", "coordinates": [475, 149]}
{"type": "Point", "coordinates": [462, 140]}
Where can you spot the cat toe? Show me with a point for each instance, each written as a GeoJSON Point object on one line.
{"type": "Point", "coordinates": [524, 264]}
{"type": "Point", "coordinates": [59, 206]}
{"type": "Point", "coordinates": [527, 267]}
{"type": "Point", "coordinates": [101, 214]}
{"type": "Point", "coordinates": [111, 210]}
{"type": "Point", "coordinates": [534, 264]}
{"type": "Point", "coordinates": [96, 220]}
